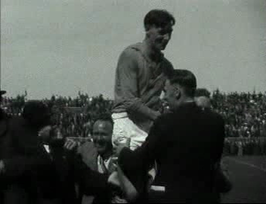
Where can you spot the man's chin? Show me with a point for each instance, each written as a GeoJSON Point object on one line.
{"type": "Point", "coordinates": [100, 150]}
{"type": "Point", "coordinates": [163, 47]}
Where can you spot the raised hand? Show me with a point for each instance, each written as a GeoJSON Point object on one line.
{"type": "Point", "coordinates": [71, 144]}
{"type": "Point", "coordinates": [119, 145]}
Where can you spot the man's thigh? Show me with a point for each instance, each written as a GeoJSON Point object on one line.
{"type": "Point", "coordinates": [124, 128]}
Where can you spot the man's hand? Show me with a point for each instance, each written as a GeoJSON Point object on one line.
{"type": "Point", "coordinates": [71, 144]}
{"type": "Point", "coordinates": [157, 114]}
{"type": "Point", "coordinates": [120, 145]}
{"type": "Point", "coordinates": [2, 167]}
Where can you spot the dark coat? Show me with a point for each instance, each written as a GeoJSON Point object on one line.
{"type": "Point", "coordinates": [56, 180]}
{"type": "Point", "coordinates": [20, 156]}
{"type": "Point", "coordinates": [187, 144]}
{"type": "Point", "coordinates": [94, 186]}
{"type": "Point", "coordinates": [4, 120]}
{"type": "Point", "coordinates": [31, 174]}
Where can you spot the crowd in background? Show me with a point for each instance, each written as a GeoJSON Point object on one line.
{"type": "Point", "coordinates": [244, 114]}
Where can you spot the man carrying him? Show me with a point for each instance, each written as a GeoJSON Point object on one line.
{"type": "Point", "coordinates": [187, 143]}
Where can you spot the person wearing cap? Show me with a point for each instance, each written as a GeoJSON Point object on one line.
{"type": "Point", "coordinates": [3, 128]}
{"type": "Point", "coordinates": [184, 145]}
{"type": "Point", "coordinates": [4, 120]}
{"type": "Point", "coordinates": [22, 154]}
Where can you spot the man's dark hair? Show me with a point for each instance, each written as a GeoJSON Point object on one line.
{"type": "Point", "coordinates": [202, 92]}
{"type": "Point", "coordinates": [2, 92]}
{"type": "Point", "coordinates": [158, 18]}
{"type": "Point", "coordinates": [186, 79]}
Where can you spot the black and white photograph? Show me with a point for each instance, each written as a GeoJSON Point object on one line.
{"type": "Point", "coordinates": [129, 101]}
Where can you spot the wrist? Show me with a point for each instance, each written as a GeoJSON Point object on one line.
{"type": "Point", "coordinates": [156, 115]}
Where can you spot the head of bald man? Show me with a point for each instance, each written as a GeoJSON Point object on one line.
{"type": "Point", "coordinates": [203, 101]}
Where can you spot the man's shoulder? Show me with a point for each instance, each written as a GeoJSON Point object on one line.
{"type": "Point", "coordinates": [214, 115]}
{"type": "Point", "coordinates": [165, 119]}
{"type": "Point", "coordinates": [132, 49]}
{"type": "Point", "coordinates": [193, 109]}
{"type": "Point", "coordinates": [167, 62]}
{"type": "Point", "coordinates": [129, 55]}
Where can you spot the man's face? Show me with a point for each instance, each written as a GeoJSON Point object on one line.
{"type": "Point", "coordinates": [170, 95]}
{"type": "Point", "coordinates": [45, 134]}
{"type": "Point", "coordinates": [159, 37]}
{"type": "Point", "coordinates": [102, 136]}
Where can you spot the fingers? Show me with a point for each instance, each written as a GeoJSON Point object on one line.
{"type": "Point", "coordinates": [123, 141]}
{"type": "Point", "coordinates": [120, 144]}
{"type": "Point", "coordinates": [70, 144]}
{"type": "Point", "coordinates": [115, 144]}
{"type": "Point", "coordinates": [128, 142]}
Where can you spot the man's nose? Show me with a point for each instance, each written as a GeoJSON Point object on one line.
{"type": "Point", "coordinates": [167, 36]}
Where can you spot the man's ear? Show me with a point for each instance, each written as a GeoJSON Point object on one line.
{"type": "Point", "coordinates": [148, 30]}
{"type": "Point", "coordinates": [148, 33]}
{"type": "Point", "coordinates": [177, 93]}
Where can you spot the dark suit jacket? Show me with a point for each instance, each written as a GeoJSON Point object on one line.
{"type": "Point", "coordinates": [30, 174]}
{"type": "Point", "coordinates": [186, 144]}
{"type": "Point", "coordinates": [56, 180]}
{"type": "Point", "coordinates": [20, 155]}
{"type": "Point", "coordinates": [34, 176]}
{"type": "Point", "coordinates": [4, 120]}
{"type": "Point", "coordinates": [95, 184]}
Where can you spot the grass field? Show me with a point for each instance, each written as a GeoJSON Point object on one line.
{"type": "Point", "coordinates": [248, 175]}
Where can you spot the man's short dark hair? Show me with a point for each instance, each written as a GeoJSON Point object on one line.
{"type": "Point", "coordinates": [2, 92]}
{"type": "Point", "coordinates": [158, 18]}
{"type": "Point", "coordinates": [105, 117]}
{"type": "Point", "coordinates": [202, 92]}
{"type": "Point", "coordinates": [186, 79]}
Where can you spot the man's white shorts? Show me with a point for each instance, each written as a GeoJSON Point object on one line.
{"type": "Point", "coordinates": [125, 128]}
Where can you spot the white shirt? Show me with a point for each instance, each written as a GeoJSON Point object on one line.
{"type": "Point", "coordinates": [47, 148]}
{"type": "Point", "coordinates": [102, 169]}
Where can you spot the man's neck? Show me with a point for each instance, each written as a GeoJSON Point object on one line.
{"type": "Point", "coordinates": [188, 100]}
{"type": "Point", "coordinates": [150, 51]}
{"type": "Point", "coordinates": [106, 155]}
